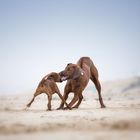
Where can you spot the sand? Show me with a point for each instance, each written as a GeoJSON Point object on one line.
{"type": "Point", "coordinates": [119, 120]}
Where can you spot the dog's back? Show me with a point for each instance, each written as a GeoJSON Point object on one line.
{"type": "Point", "coordinates": [85, 61]}
{"type": "Point", "coordinates": [48, 83]}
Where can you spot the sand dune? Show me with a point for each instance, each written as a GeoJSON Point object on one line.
{"type": "Point", "coordinates": [120, 120]}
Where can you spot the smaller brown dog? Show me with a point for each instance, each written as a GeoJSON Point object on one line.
{"type": "Point", "coordinates": [48, 85]}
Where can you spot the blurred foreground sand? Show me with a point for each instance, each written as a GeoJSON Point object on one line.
{"type": "Point", "coordinates": [120, 120]}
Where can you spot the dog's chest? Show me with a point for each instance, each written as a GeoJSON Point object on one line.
{"type": "Point", "coordinates": [75, 84]}
{"type": "Point", "coordinates": [79, 84]}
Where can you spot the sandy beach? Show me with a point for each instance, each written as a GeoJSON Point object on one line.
{"type": "Point", "coordinates": [119, 120]}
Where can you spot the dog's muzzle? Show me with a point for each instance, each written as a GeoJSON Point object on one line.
{"type": "Point", "coordinates": [63, 78]}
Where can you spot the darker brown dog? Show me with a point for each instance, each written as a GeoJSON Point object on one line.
{"type": "Point", "coordinates": [78, 76]}
{"type": "Point", "coordinates": [47, 85]}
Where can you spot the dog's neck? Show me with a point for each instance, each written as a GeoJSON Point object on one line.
{"type": "Point", "coordinates": [81, 75]}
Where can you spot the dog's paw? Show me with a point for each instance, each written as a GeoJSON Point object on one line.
{"type": "Point", "coordinates": [24, 109]}
{"type": "Point", "coordinates": [49, 109]}
{"type": "Point", "coordinates": [103, 106]}
{"type": "Point", "coordinates": [28, 105]}
{"type": "Point", "coordinates": [66, 108]}
{"type": "Point", "coordinates": [59, 108]}
{"type": "Point", "coordinates": [75, 107]}
{"type": "Point", "coordinates": [69, 108]}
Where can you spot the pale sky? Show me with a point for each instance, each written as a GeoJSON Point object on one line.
{"type": "Point", "coordinates": [41, 36]}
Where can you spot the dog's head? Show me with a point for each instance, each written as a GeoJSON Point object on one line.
{"type": "Point", "coordinates": [54, 76]}
{"type": "Point", "coordinates": [72, 71]}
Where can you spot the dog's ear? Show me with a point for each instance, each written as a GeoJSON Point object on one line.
{"type": "Point", "coordinates": [77, 73]}
{"type": "Point", "coordinates": [69, 64]}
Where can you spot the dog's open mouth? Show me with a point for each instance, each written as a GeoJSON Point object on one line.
{"type": "Point", "coordinates": [63, 78]}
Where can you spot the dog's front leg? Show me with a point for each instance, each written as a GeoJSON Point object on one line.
{"type": "Point", "coordinates": [73, 101]}
{"type": "Point", "coordinates": [79, 102]}
{"type": "Point", "coordinates": [65, 98]}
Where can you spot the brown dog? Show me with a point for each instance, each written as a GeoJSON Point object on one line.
{"type": "Point", "coordinates": [78, 76]}
{"type": "Point", "coordinates": [47, 85]}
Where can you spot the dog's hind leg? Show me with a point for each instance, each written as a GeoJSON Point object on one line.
{"type": "Point", "coordinates": [49, 102]}
{"type": "Point", "coordinates": [94, 78]}
{"type": "Point", "coordinates": [36, 94]}
{"type": "Point", "coordinates": [98, 87]}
